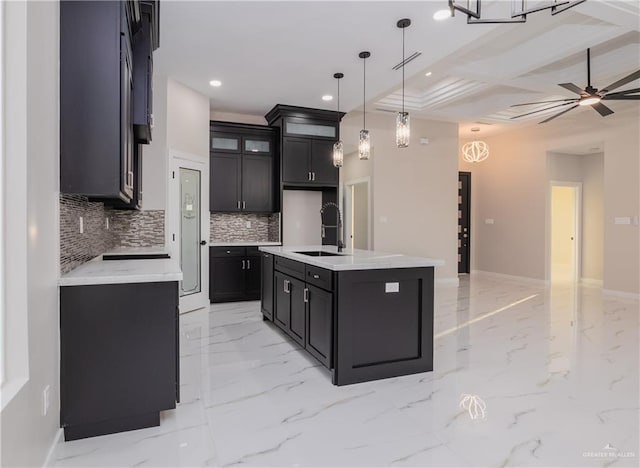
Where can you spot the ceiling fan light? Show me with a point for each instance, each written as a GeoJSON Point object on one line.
{"type": "Point", "coordinates": [589, 100]}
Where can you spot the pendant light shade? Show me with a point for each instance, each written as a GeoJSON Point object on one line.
{"type": "Point", "coordinates": [403, 128]}
{"type": "Point", "coordinates": [476, 150]}
{"type": "Point", "coordinates": [364, 146]}
{"type": "Point", "coordinates": [338, 150]}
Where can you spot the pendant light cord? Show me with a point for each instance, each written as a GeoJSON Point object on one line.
{"type": "Point", "coordinates": [364, 95]}
{"type": "Point", "coordinates": [338, 94]}
{"type": "Point", "coordinates": [403, 70]}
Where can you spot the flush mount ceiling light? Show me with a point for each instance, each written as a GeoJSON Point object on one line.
{"type": "Point", "coordinates": [403, 126]}
{"type": "Point", "coordinates": [519, 10]}
{"type": "Point", "coordinates": [428, 74]}
{"type": "Point", "coordinates": [442, 15]}
{"type": "Point", "coordinates": [364, 144]}
{"type": "Point", "coordinates": [215, 83]}
{"type": "Point", "coordinates": [338, 150]}
{"type": "Point", "coordinates": [476, 150]}
{"type": "Point", "coordinates": [327, 97]}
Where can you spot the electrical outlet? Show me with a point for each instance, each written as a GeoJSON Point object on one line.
{"type": "Point", "coordinates": [248, 224]}
{"type": "Point", "coordinates": [46, 399]}
{"type": "Point", "coordinates": [81, 225]}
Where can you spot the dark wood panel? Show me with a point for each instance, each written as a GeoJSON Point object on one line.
{"type": "Point", "coordinates": [257, 184]}
{"type": "Point", "coordinates": [298, 324]}
{"type": "Point", "coordinates": [231, 251]}
{"type": "Point", "coordinates": [324, 172]}
{"type": "Point", "coordinates": [252, 278]}
{"type": "Point", "coordinates": [224, 177]}
{"type": "Point", "coordinates": [296, 160]}
{"type": "Point", "coordinates": [290, 267]}
{"type": "Point", "coordinates": [227, 278]}
{"type": "Point", "coordinates": [320, 324]}
{"type": "Point", "coordinates": [143, 75]}
{"type": "Point", "coordinates": [282, 301]}
{"type": "Point", "coordinates": [319, 277]}
{"type": "Point", "coordinates": [267, 286]}
{"type": "Point", "coordinates": [117, 353]}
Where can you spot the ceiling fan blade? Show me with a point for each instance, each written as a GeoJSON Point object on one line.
{"type": "Point", "coordinates": [625, 92]}
{"type": "Point", "coordinates": [622, 97]}
{"type": "Point", "coordinates": [543, 102]}
{"type": "Point", "coordinates": [558, 114]}
{"type": "Point", "coordinates": [572, 87]}
{"type": "Point", "coordinates": [542, 110]}
{"type": "Point", "coordinates": [602, 109]}
{"type": "Point", "coordinates": [627, 79]}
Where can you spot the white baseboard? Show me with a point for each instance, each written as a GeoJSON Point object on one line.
{"type": "Point", "coordinates": [621, 294]}
{"type": "Point", "coordinates": [591, 282]}
{"type": "Point", "coordinates": [448, 281]}
{"type": "Point", "coordinates": [522, 279]}
{"type": "Point", "coordinates": [49, 461]}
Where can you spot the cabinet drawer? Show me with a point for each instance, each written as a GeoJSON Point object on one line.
{"type": "Point", "coordinates": [319, 277]}
{"type": "Point", "coordinates": [290, 267]}
{"type": "Point", "coordinates": [253, 251]}
{"type": "Point", "coordinates": [227, 251]}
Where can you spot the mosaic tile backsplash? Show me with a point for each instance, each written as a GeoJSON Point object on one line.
{"type": "Point", "coordinates": [126, 229]}
{"type": "Point", "coordinates": [232, 227]}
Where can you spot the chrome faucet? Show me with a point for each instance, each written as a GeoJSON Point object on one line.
{"type": "Point", "coordinates": [337, 226]}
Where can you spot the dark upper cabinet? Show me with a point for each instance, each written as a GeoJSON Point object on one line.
{"type": "Point", "coordinates": [242, 169]}
{"type": "Point", "coordinates": [97, 94]}
{"type": "Point", "coordinates": [307, 138]}
{"type": "Point", "coordinates": [136, 201]}
{"type": "Point", "coordinates": [143, 42]}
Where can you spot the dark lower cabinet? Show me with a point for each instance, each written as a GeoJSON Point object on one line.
{"type": "Point", "coordinates": [266, 286]}
{"type": "Point", "coordinates": [305, 313]}
{"type": "Point", "coordinates": [118, 356]}
{"type": "Point", "coordinates": [234, 274]}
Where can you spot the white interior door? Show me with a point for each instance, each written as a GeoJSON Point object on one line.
{"type": "Point", "coordinates": [565, 231]}
{"type": "Point", "coordinates": [189, 227]}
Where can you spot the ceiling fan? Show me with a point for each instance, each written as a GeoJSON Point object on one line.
{"type": "Point", "coordinates": [589, 96]}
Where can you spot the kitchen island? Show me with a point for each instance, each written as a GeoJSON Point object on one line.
{"type": "Point", "coordinates": [364, 315]}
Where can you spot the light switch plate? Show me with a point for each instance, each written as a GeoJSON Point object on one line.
{"type": "Point", "coordinates": [248, 224]}
{"type": "Point", "coordinates": [392, 287]}
{"type": "Point", "coordinates": [489, 221]}
{"type": "Point", "coordinates": [622, 220]}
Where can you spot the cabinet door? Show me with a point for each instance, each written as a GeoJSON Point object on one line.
{"type": "Point", "coordinates": [252, 278]}
{"type": "Point", "coordinates": [226, 278]}
{"type": "Point", "coordinates": [282, 303]}
{"type": "Point", "coordinates": [319, 324]}
{"type": "Point", "coordinates": [126, 122]}
{"type": "Point", "coordinates": [323, 171]}
{"type": "Point", "coordinates": [266, 286]}
{"type": "Point", "coordinates": [224, 177]}
{"type": "Point", "coordinates": [298, 323]}
{"type": "Point", "coordinates": [296, 160]}
{"type": "Point", "coordinates": [257, 183]}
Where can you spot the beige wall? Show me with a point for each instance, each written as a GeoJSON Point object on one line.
{"type": "Point", "coordinates": [511, 187]}
{"type": "Point", "coordinates": [414, 189]}
{"type": "Point", "coordinates": [27, 435]}
{"type": "Point", "coordinates": [238, 118]}
{"type": "Point", "coordinates": [592, 169]}
{"type": "Point", "coordinates": [361, 216]}
{"type": "Point", "coordinates": [301, 224]}
{"type": "Point", "coordinates": [187, 119]}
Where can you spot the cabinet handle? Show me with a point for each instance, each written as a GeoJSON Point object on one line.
{"type": "Point", "coordinates": [316, 276]}
{"type": "Point", "coordinates": [238, 204]}
{"type": "Point", "coordinates": [309, 176]}
{"type": "Point", "coordinates": [130, 179]}
{"type": "Point", "coordinates": [243, 266]}
{"type": "Point", "coordinates": [228, 251]}
{"type": "Point", "coordinates": [313, 176]}
{"type": "Point", "coordinates": [244, 204]}
{"type": "Point", "coordinates": [287, 289]}
{"type": "Point", "coordinates": [248, 264]}
{"type": "Point", "coordinates": [266, 255]}
{"type": "Point", "coordinates": [306, 295]}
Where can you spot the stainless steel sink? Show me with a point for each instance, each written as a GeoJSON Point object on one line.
{"type": "Point", "coordinates": [320, 253]}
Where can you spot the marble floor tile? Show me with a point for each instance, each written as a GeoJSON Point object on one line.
{"type": "Point", "coordinates": [554, 371]}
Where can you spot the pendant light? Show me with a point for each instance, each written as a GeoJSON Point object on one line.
{"type": "Point", "coordinates": [476, 150]}
{"type": "Point", "coordinates": [364, 146]}
{"type": "Point", "coordinates": [338, 150]}
{"type": "Point", "coordinates": [403, 129]}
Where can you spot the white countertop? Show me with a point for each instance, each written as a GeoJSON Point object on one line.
{"type": "Point", "coordinates": [98, 271]}
{"type": "Point", "coordinates": [242, 244]}
{"type": "Point", "coordinates": [352, 259]}
{"type": "Point", "coordinates": [152, 250]}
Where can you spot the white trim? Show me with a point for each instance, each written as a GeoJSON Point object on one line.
{"type": "Point", "coordinates": [596, 283]}
{"type": "Point", "coordinates": [577, 245]}
{"type": "Point", "coordinates": [10, 388]}
{"type": "Point", "coordinates": [522, 279]}
{"type": "Point", "coordinates": [448, 282]}
{"type": "Point", "coordinates": [621, 294]}
{"type": "Point", "coordinates": [49, 461]}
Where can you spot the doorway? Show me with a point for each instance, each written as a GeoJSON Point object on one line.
{"type": "Point", "coordinates": [189, 227]}
{"type": "Point", "coordinates": [564, 239]}
{"type": "Point", "coordinates": [464, 222]}
{"type": "Point", "coordinates": [357, 214]}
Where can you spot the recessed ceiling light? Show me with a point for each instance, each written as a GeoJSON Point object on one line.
{"type": "Point", "coordinates": [327, 97]}
{"type": "Point", "coordinates": [428, 74]}
{"type": "Point", "coordinates": [215, 83]}
{"type": "Point", "coordinates": [442, 15]}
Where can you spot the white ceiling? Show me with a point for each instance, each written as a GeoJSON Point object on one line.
{"type": "Point", "coordinates": [268, 52]}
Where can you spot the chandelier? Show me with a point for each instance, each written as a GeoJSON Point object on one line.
{"type": "Point", "coordinates": [476, 150]}
{"type": "Point", "coordinates": [519, 10]}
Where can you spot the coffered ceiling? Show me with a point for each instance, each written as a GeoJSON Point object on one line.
{"type": "Point", "coordinates": [286, 52]}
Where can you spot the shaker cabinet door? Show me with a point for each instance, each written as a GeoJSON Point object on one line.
{"type": "Point", "coordinates": [322, 168]}
{"type": "Point", "coordinates": [257, 184]}
{"type": "Point", "coordinates": [224, 177]}
{"type": "Point", "coordinates": [296, 155]}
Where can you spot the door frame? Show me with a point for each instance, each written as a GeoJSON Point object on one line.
{"type": "Point", "coordinates": [577, 211]}
{"type": "Point", "coordinates": [469, 269]}
{"type": "Point", "coordinates": [346, 188]}
{"type": "Point", "coordinates": [178, 159]}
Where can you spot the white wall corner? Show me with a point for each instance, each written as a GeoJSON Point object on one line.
{"type": "Point", "coordinates": [50, 461]}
